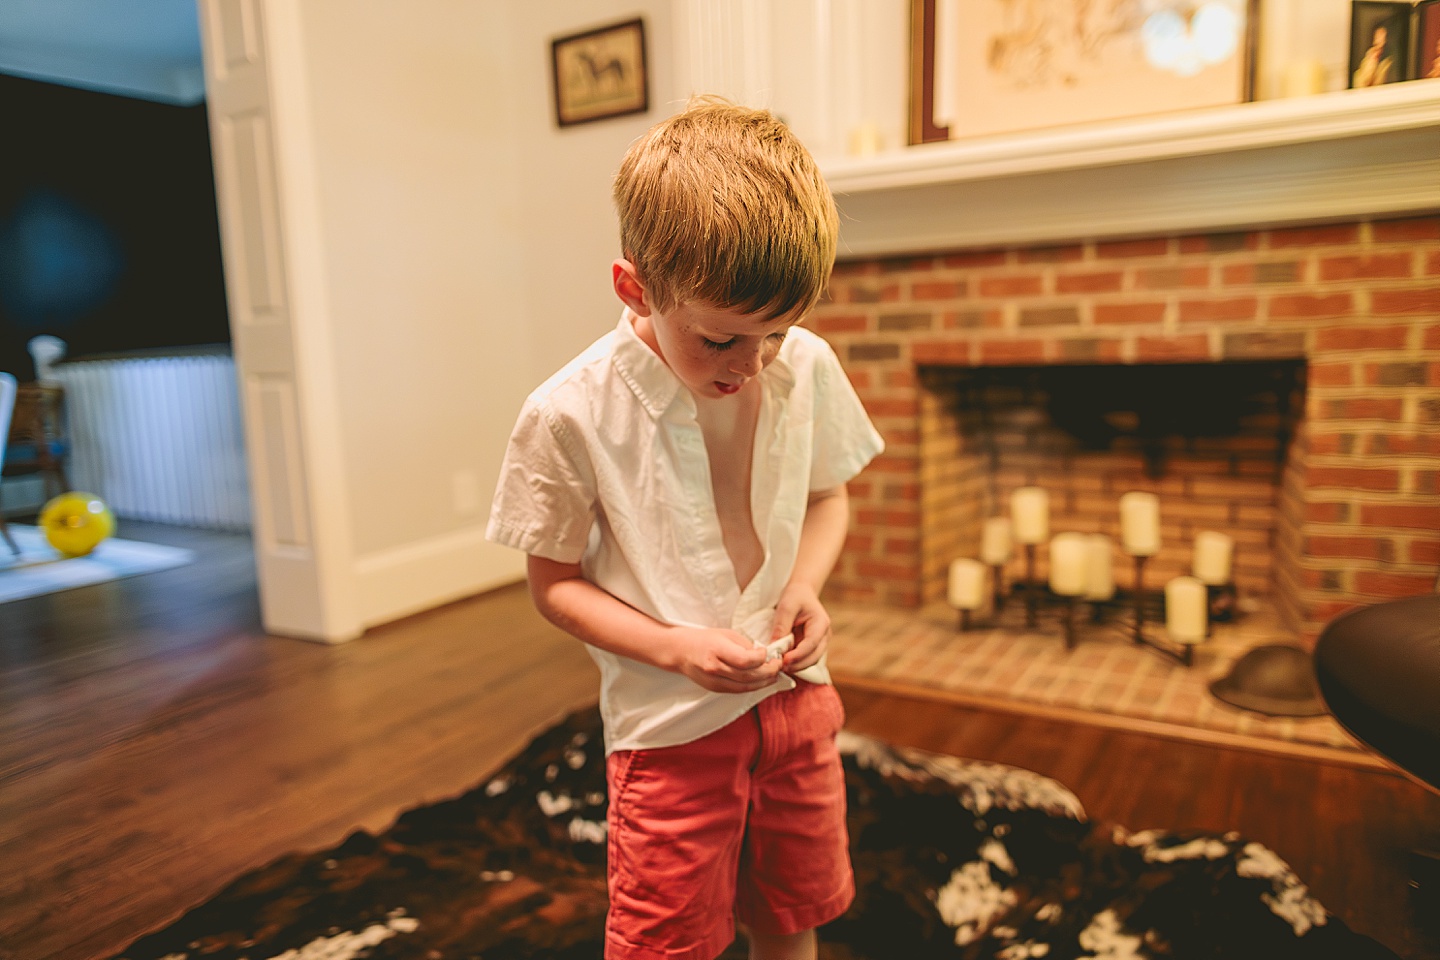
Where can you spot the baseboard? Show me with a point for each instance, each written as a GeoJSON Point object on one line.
{"type": "Point", "coordinates": [421, 576]}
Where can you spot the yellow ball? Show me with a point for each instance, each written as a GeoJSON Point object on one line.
{"type": "Point", "coordinates": [75, 523]}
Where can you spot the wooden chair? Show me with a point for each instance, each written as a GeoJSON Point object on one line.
{"type": "Point", "coordinates": [36, 440]}
{"type": "Point", "coordinates": [8, 387]}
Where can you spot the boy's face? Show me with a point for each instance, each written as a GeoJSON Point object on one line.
{"type": "Point", "coordinates": [715, 351]}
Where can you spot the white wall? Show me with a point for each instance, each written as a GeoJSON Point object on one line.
{"type": "Point", "coordinates": [468, 243]}
{"type": "Point", "coordinates": [414, 107]}
{"type": "Point", "coordinates": [570, 236]}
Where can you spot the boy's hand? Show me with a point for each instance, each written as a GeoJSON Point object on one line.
{"type": "Point", "coordinates": [800, 612]}
{"type": "Point", "coordinates": [723, 661]}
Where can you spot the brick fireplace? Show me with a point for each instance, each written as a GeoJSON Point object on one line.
{"type": "Point", "coordinates": [1285, 384]}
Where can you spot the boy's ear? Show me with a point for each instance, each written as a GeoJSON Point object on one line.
{"type": "Point", "coordinates": [628, 287]}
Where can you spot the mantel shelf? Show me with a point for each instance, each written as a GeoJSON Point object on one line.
{"type": "Point", "coordinates": [1342, 155]}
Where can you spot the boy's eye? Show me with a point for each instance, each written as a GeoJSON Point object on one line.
{"type": "Point", "coordinates": [719, 344]}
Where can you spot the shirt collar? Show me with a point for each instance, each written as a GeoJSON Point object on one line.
{"type": "Point", "coordinates": [655, 384]}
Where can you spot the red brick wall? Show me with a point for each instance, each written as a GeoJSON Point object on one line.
{"type": "Point", "coordinates": [1359, 301]}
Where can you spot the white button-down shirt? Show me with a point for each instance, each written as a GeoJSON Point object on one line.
{"type": "Point", "coordinates": [607, 468]}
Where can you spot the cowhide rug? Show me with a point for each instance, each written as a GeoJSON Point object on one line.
{"type": "Point", "coordinates": [953, 859]}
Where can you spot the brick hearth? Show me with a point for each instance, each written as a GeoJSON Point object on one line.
{"type": "Point", "coordinates": [1353, 518]}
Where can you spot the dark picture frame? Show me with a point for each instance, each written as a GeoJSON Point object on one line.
{"type": "Point", "coordinates": [600, 73]}
{"type": "Point", "coordinates": [921, 125]}
{"type": "Point", "coordinates": [1074, 98]}
{"type": "Point", "coordinates": [1377, 59]}
{"type": "Point", "coordinates": [1427, 41]}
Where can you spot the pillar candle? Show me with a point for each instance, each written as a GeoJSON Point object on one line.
{"type": "Point", "coordinates": [1030, 511]}
{"type": "Point", "coordinates": [866, 140]}
{"type": "Point", "coordinates": [1140, 523]}
{"type": "Point", "coordinates": [1212, 558]}
{"type": "Point", "coordinates": [1185, 610]}
{"type": "Point", "coordinates": [1067, 564]}
{"type": "Point", "coordinates": [1099, 567]}
{"type": "Point", "coordinates": [995, 543]}
{"type": "Point", "coordinates": [1302, 78]}
{"type": "Point", "coordinates": [967, 584]}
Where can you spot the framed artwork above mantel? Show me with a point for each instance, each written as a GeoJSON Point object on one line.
{"type": "Point", "coordinates": [985, 67]}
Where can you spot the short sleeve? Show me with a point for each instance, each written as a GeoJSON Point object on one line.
{"type": "Point", "coordinates": [545, 498]}
{"type": "Point", "coordinates": [845, 439]}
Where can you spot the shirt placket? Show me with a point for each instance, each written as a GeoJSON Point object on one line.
{"type": "Point", "coordinates": [761, 592]}
{"type": "Point", "coordinates": [707, 545]}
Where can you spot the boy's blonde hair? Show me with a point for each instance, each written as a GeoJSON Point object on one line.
{"type": "Point", "coordinates": [722, 204]}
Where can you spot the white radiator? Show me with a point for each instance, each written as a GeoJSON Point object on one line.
{"type": "Point", "coordinates": [159, 438]}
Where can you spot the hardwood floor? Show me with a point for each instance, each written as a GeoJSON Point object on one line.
{"type": "Point", "coordinates": [155, 744]}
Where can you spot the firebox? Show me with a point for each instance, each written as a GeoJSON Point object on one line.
{"type": "Point", "coordinates": [1280, 386]}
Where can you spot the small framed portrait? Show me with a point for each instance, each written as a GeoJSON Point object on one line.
{"type": "Point", "coordinates": [1427, 40]}
{"type": "Point", "coordinates": [1379, 43]}
{"type": "Point", "coordinates": [600, 73]}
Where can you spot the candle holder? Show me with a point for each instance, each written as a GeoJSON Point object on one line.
{"type": "Point", "coordinates": [1037, 595]}
{"type": "Point", "coordinates": [1031, 601]}
{"type": "Point", "coordinates": [1056, 603]}
{"type": "Point", "coordinates": [1069, 623]}
{"type": "Point", "coordinates": [1139, 635]}
{"type": "Point", "coordinates": [1183, 652]}
{"type": "Point", "coordinates": [1097, 611]}
{"type": "Point", "coordinates": [1041, 602]}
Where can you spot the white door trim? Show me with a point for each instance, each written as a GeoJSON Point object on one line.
{"type": "Point", "coordinates": [272, 243]}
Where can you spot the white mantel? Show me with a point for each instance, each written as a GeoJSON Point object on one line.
{"type": "Point", "coordinates": [1334, 156]}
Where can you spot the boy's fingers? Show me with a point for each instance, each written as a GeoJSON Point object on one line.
{"type": "Point", "coordinates": [764, 673]}
{"type": "Point", "coordinates": [806, 652]}
{"type": "Point", "coordinates": [784, 621]}
{"type": "Point", "coordinates": [721, 685]}
{"type": "Point", "coordinates": [747, 682]}
{"type": "Point", "coordinates": [738, 639]}
{"type": "Point", "coordinates": [742, 657]}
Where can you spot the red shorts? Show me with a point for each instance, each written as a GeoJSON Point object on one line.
{"type": "Point", "coordinates": [749, 820]}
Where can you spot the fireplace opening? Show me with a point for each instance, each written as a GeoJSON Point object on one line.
{"type": "Point", "coordinates": [1213, 441]}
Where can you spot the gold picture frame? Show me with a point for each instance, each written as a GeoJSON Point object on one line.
{"type": "Point", "coordinates": [600, 73]}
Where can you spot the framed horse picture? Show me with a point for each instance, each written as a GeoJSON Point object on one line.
{"type": "Point", "coordinates": [600, 73]}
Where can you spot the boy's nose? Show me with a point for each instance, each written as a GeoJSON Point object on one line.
{"type": "Point", "coordinates": [748, 362]}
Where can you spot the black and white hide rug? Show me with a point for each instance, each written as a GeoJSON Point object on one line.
{"type": "Point", "coordinates": [953, 859]}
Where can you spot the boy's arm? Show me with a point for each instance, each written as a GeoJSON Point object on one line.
{"type": "Point", "coordinates": [827, 518]}
{"type": "Point", "coordinates": [722, 661]}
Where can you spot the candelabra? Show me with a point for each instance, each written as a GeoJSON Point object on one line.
{"type": "Point", "coordinates": [1183, 652]}
{"type": "Point", "coordinates": [1081, 568]}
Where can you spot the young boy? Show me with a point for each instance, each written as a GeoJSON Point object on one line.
{"type": "Point", "coordinates": [680, 490]}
